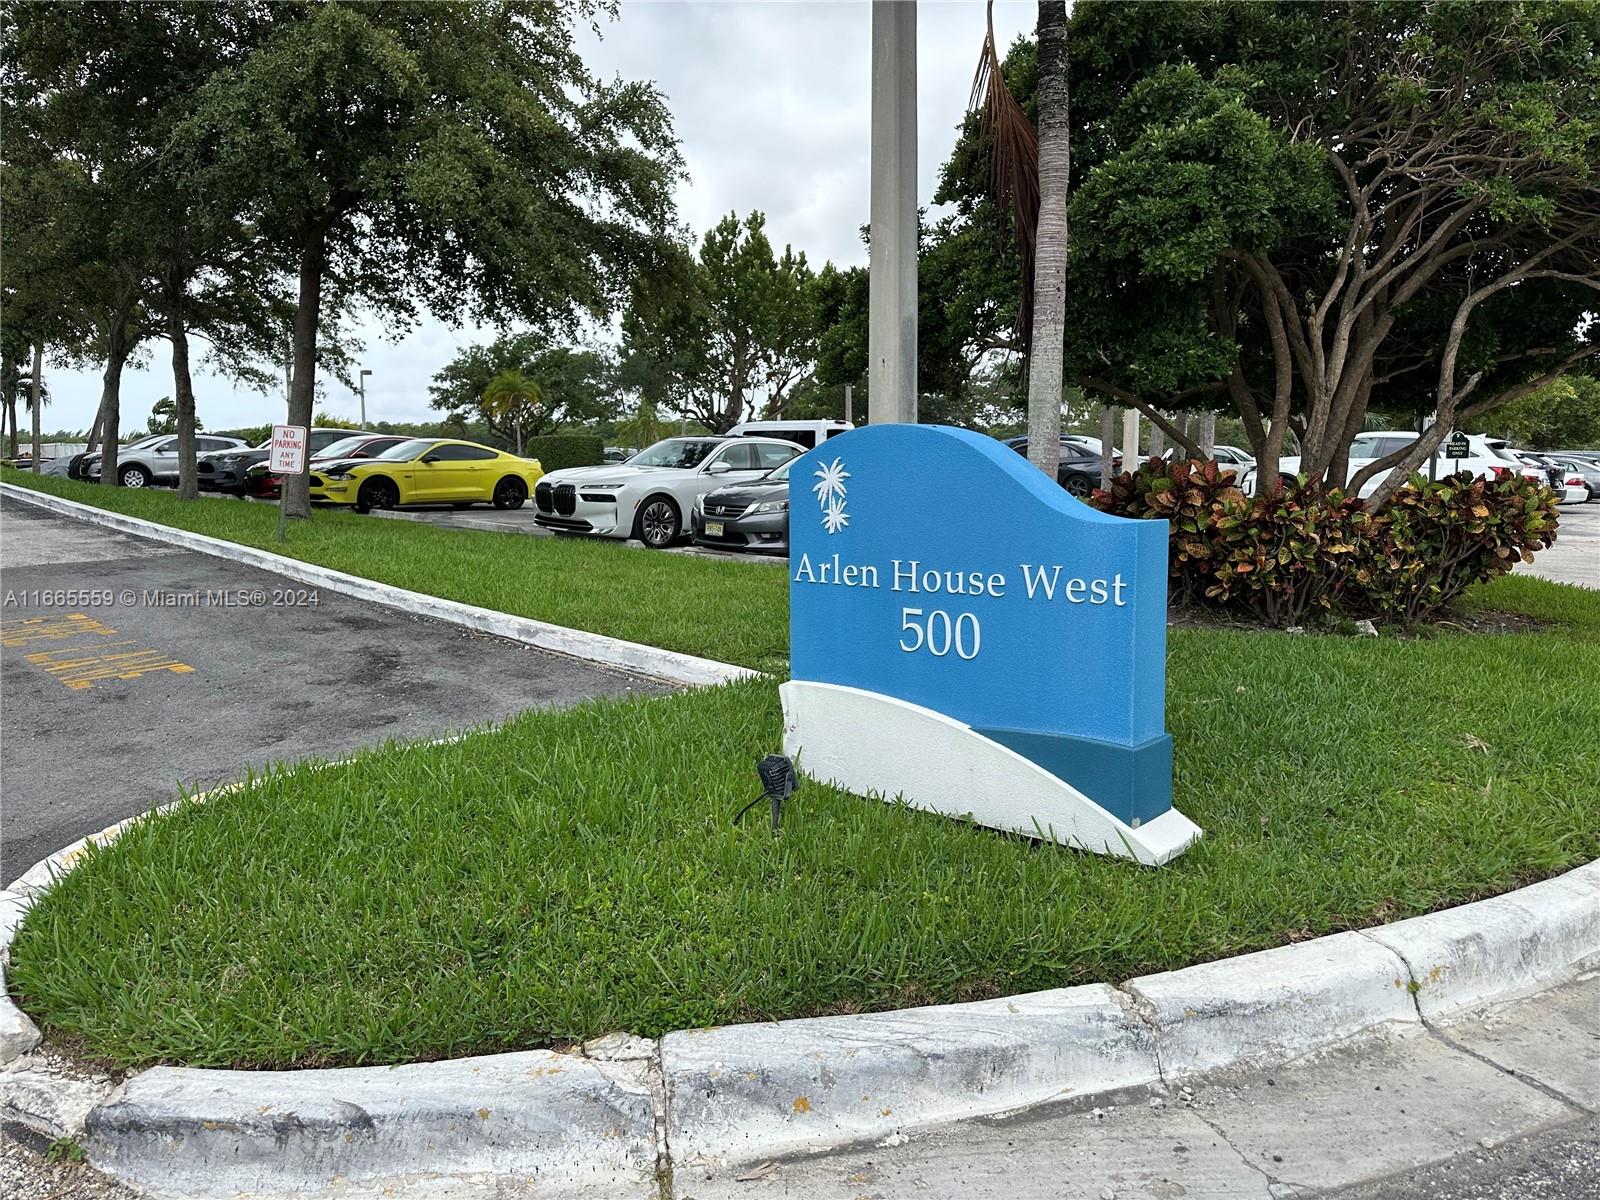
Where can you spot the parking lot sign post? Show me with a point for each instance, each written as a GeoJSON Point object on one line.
{"type": "Point", "coordinates": [287, 457]}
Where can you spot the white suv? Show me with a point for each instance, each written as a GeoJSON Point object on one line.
{"type": "Point", "coordinates": [1491, 458]}
{"type": "Point", "coordinates": [155, 459]}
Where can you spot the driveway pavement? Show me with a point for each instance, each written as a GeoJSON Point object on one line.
{"type": "Point", "coordinates": [131, 669]}
{"type": "Point", "coordinates": [1575, 558]}
{"type": "Point", "coordinates": [520, 520]}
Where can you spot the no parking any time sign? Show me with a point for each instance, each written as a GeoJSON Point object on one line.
{"type": "Point", "coordinates": [288, 454]}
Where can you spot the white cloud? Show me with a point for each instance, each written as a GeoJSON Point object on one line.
{"type": "Point", "coordinates": [771, 102]}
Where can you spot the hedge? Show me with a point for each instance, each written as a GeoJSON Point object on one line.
{"type": "Point", "coordinates": [1303, 553]}
{"type": "Point", "coordinates": [556, 451]}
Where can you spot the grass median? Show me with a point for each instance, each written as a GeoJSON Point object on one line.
{"type": "Point", "coordinates": [576, 872]}
{"type": "Point", "coordinates": [730, 611]}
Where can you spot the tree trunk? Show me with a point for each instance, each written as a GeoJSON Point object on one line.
{"type": "Point", "coordinates": [1108, 433]}
{"type": "Point", "coordinates": [1050, 243]}
{"type": "Point", "coordinates": [183, 395]}
{"type": "Point", "coordinates": [8, 403]}
{"type": "Point", "coordinates": [94, 427]}
{"type": "Point", "coordinates": [302, 391]}
{"type": "Point", "coordinates": [117, 349]}
{"type": "Point", "coordinates": [1158, 441]}
{"type": "Point", "coordinates": [1208, 434]}
{"type": "Point", "coordinates": [37, 400]}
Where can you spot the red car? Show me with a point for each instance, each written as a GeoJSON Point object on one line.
{"type": "Point", "coordinates": [266, 485]}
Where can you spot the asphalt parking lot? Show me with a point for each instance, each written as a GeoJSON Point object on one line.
{"type": "Point", "coordinates": [130, 668]}
{"type": "Point", "coordinates": [520, 520]}
{"type": "Point", "coordinates": [1575, 558]}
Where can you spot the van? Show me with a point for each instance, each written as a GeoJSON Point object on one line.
{"type": "Point", "coordinates": [809, 434]}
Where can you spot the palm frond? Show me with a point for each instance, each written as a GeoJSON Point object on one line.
{"type": "Point", "coordinates": [1013, 164]}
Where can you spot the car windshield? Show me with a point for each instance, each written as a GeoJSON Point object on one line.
{"type": "Point", "coordinates": [682, 453]}
{"type": "Point", "coordinates": [341, 448]}
{"type": "Point", "coordinates": [406, 451]}
{"type": "Point", "coordinates": [780, 475]}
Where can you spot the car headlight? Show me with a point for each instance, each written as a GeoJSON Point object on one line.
{"type": "Point", "coordinates": [768, 506]}
{"type": "Point", "coordinates": [601, 487]}
{"type": "Point", "coordinates": [341, 476]}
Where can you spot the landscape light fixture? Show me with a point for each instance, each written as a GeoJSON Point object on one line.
{"type": "Point", "coordinates": [778, 783]}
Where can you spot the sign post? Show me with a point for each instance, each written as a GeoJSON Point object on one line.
{"type": "Point", "coordinates": [286, 457]}
{"type": "Point", "coordinates": [1002, 658]}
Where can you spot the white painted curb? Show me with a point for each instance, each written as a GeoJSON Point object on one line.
{"type": "Point", "coordinates": [551, 1124]}
{"type": "Point", "coordinates": [1507, 946]}
{"type": "Point", "coordinates": [661, 664]}
{"type": "Point", "coordinates": [1273, 1005]}
{"type": "Point", "coordinates": [747, 1092]}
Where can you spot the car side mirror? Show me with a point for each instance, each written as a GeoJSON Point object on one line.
{"type": "Point", "coordinates": [718, 468]}
{"type": "Point", "coordinates": [430, 458]}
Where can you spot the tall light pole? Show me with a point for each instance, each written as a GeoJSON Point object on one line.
{"type": "Point", "coordinates": [361, 381]}
{"type": "Point", "coordinates": [892, 294]}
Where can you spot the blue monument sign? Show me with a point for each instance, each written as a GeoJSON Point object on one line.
{"type": "Point", "coordinates": [966, 637]}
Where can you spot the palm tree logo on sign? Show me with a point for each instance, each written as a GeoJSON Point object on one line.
{"type": "Point", "coordinates": [830, 492]}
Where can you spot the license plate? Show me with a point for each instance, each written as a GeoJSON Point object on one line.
{"type": "Point", "coordinates": [713, 528]}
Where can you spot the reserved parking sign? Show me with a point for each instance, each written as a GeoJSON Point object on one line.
{"type": "Point", "coordinates": [288, 453]}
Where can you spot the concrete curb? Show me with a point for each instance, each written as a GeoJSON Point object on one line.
{"type": "Point", "coordinates": [661, 664]}
{"type": "Point", "coordinates": [565, 1125]}
{"type": "Point", "coordinates": [747, 1092]}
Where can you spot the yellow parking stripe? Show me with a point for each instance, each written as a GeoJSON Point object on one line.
{"type": "Point", "coordinates": [77, 668]}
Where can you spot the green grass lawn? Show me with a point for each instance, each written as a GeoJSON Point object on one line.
{"type": "Point", "coordinates": [730, 611]}
{"type": "Point", "coordinates": [575, 872]}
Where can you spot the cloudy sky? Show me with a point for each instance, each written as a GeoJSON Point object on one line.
{"type": "Point", "coordinates": [771, 103]}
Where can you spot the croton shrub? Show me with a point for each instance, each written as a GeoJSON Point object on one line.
{"type": "Point", "coordinates": [1305, 555]}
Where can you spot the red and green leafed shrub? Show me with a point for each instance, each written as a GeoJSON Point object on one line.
{"type": "Point", "coordinates": [1302, 554]}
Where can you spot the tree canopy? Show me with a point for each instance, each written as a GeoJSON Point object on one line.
{"type": "Point", "coordinates": [709, 335]}
{"type": "Point", "coordinates": [569, 386]}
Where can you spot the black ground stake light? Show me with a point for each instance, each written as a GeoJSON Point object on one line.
{"type": "Point", "coordinates": [778, 782]}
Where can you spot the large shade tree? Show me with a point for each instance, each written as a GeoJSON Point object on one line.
{"type": "Point", "coordinates": [1309, 212]}
{"type": "Point", "coordinates": [711, 335]}
{"type": "Point", "coordinates": [570, 386]}
{"type": "Point", "coordinates": [454, 156]}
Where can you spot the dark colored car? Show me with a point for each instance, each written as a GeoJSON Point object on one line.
{"type": "Point", "coordinates": [752, 514]}
{"type": "Point", "coordinates": [265, 485]}
{"type": "Point", "coordinates": [229, 471]}
{"type": "Point", "coordinates": [1079, 468]}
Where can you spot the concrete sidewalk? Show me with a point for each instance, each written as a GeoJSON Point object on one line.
{"type": "Point", "coordinates": [1575, 558]}
{"type": "Point", "coordinates": [1391, 1107]}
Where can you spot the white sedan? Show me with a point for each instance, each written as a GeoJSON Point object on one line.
{"type": "Point", "coordinates": [649, 497]}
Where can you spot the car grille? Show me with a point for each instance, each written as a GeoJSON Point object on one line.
{"type": "Point", "coordinates": [204, 467]}
{"type": "Point", "coordinates": [541, 498]}
{"type": "Point", "coordinates": [316, 480]}
{"type": "Point", "coordinates": [566, 499]}
{"type": "Point", "coordinates": [725, 510]}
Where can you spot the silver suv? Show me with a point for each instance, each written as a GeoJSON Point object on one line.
{"type": "Point", "coordinates": [155, 459]}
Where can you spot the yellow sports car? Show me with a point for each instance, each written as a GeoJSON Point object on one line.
{"type": "Point", "coordinates": [427, 471]}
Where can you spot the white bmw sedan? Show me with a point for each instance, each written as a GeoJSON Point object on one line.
{"type": "Point", "coordinates": [650, 496]}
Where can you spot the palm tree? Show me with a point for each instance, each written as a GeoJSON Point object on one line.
{"type": "Point", "coordinates": [1028, 171]}
{"type": "Point", "coordinates": [509, 396]}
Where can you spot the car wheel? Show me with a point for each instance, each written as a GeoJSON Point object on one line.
{"type": "Point", "coordinates": [377, 493]}
{"type": "Point", "coordinates": [510, 492]}
{"type": "Point", "coordinates": [1079, 486]}
{"type": "Point", "coordinates": [133, 476]}
{"type": "Point", "coordinates": [658, 524]}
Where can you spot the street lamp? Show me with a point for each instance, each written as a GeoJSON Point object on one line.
{"type": "Point", "coordinates": [361, 382]}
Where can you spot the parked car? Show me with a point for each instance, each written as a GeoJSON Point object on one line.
{"type": "Point", "coordinates": [427, 471]}
{"type": "Point", "coordinates": [1577, 475]}
{"type": "Point", "coordinates": [154, 459]}
{"type": "Point", "coordinates": [1078, 469]}
{"type": "Point", "coordinates": [265, 484]}
{"type": "Point", "coordinates": [1491, 458]}
{"type": "Point", "coordinates": [752, 514]}
{"type": "Point", "coordinates": [1233, 458]}
{"type": "Point", "coordinates": [649, 496]}
{"type": "Point", "coordinates": [617, 454]}
{"type": "Point", "coordinates": [809, 434]}
{"type": "Point", "coordinates": [229, 471]}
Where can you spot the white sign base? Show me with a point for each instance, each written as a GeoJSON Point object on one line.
{"type": "Point", "coordinates": [876, 745]}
